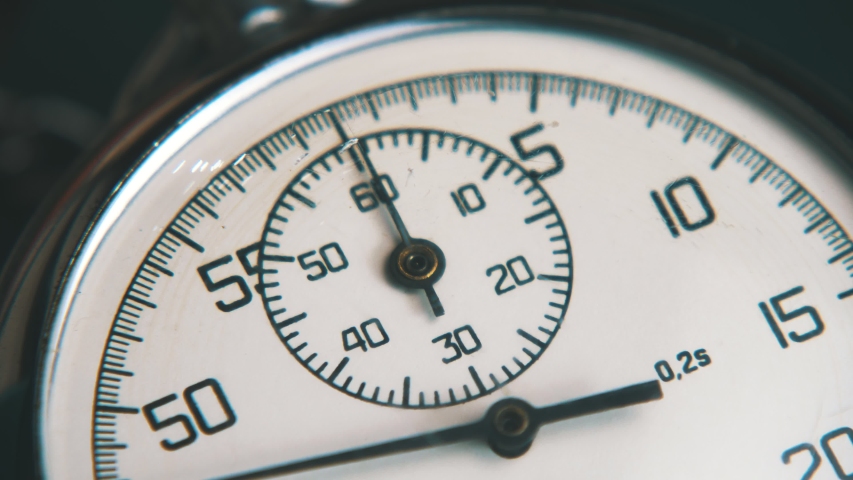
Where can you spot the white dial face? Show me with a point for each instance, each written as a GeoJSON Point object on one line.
{"type": "Point", "coordinates": [397, 244]}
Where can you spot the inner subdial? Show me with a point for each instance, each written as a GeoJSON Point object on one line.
{"type": "Point", "coordinates": [344, 290]}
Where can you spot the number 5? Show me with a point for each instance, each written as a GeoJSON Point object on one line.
{"type": "Point", "coordinates": [525, 155]}
{"type": "Point", "coordinates": [212, 286]}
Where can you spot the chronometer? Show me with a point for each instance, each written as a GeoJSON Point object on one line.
{"type": "Point", "coordinates": [444, 239]}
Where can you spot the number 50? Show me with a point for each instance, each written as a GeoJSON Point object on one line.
{"type": "Point", "coordinates": [200, 419]}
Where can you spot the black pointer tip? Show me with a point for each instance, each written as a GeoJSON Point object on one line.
{"type": "Point", "coordinates": [621, 397]}
{"type": "Point", "coordinates": [434, 302]}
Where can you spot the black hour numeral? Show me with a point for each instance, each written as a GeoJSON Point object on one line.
{"type": "Point", "coordinates": [158, 424]}
{"type": "Point", "coordinates": [372, 335]}
{"type": "Point", "coordinates": [784, 316]}
{"type": "Point", "coordinates": [201, 419]}
{"type": "Point", "coordinates": [686, 223]}
{"type": "Point", "coordinates": [468, 199]}
{"type": "Point", "coordinates": [842, 472]}
{"type": "Point", "coordinates": [466, 342]}
{"type": "Point", "coordinates": [803, 447]}
{"type": "Point", "coordinates": [666, 374]}
{"type": "Point", "coordinates": [365, 197]}
{"type": "Point", "coordinates": [244, 255]}
{"type": "Point", "coordinates": [516, 267]}
{"type": "Point", "coordinates": [332, 259]}
{"type": "Point", "coordinates": [215, 285]}
{"type": "Point", "coordinates": [526, 155]}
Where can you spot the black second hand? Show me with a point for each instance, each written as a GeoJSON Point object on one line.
{"type": "Point", "coordinates": [379, 188]}
{"type": "Point", "coordinates": [619, 398]}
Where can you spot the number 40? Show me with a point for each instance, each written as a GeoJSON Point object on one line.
{"type": "Point", "coordinates": [352, 339]}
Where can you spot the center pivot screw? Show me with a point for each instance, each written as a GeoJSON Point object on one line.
{"type": "Point", "coordinates": [417, 262]}
{"type": "Point", "coordinates": [512, 427]}
{"type": "Point", "coordinates": [418, 265]}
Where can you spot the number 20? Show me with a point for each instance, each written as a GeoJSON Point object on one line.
{"type": "Point", "coordinates": [512, 267]}
{"type": "Point", "coordinates": [827, 450]}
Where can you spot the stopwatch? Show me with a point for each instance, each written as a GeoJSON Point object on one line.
{"type": "Point", "coordinates": [489, 241]}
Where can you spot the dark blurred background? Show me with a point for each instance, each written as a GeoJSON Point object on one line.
{"type": "Point", "coordinates": [63, 62]}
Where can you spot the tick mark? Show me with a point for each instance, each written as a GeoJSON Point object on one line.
{"type": "Point", "coordinates": [258, 153]}
{"type": "Point", "coordinates": [653, 114]}
{"type": "Point", "coordinates": [407, 385]}
{"type": "Point", "coordinates": [126, 336]}
{"type": "Point", "coordinates": [690, 129]}
{"type": "Point", "coordinates": [425, 146]}
{"type": "Point", "coordinates": [113, 371]}
{"type": "Point", "coordinates": [730, 144]}
{"type": "Point", "coordinates": [412, 99]}
{"type": "Point", "coordinates": [116, 409]}
{"type": "Point", "coordinates": [160, 269]}
{"type": "Point", "coordinates": [530, 338]}
{"type": "Point", "coordinates": [794, 193]}
{"type": "Point", "coordinates": [185, 239]}
{"type": "Point", "coordinates": [372, 106]}
{"type": "Point", "coordinates": [816, 224]}
{"type": "Point", "coordinates": [534, 93]}
{"type": "Point", "coordinates": [759, 171]}
{"type": "Point", "coordinates": [477, 381]}
{"type": "Point", "coordinates": [615, 104]}
{"type": "Point", "coordinates": [553, 278]}
{"type": "Point", "coordinates": [573, 97]}
{"type": "Point", "coordinates": [290, 321]}
{"type": "Point", "coordinates": [540, 215]}
{"type": "Point", "coordinates": [338, 369]}
{"type": "Point", "coordinates": [306, 201]}
{"type": "Point", "coordinates": [233, 181]}
{"type": "Point", "coordinates": [141, 301]}
{"type": "Point", "coordinates": [492, 168]}
{"type": "Point", "coordinates": [338, 128]}
{"type": "Point", "coordinates": [841, 255]}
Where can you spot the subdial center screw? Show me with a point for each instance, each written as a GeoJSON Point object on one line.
{"type": "Point", "coordinates": [417, 262]}
{"type": "Point", "coordinates": [417, 265]}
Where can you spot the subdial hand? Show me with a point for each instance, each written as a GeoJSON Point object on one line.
{"type": "Point", "coordinates": [509, 427]}
{"type": "Point", "coordinates": [415, 263]}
